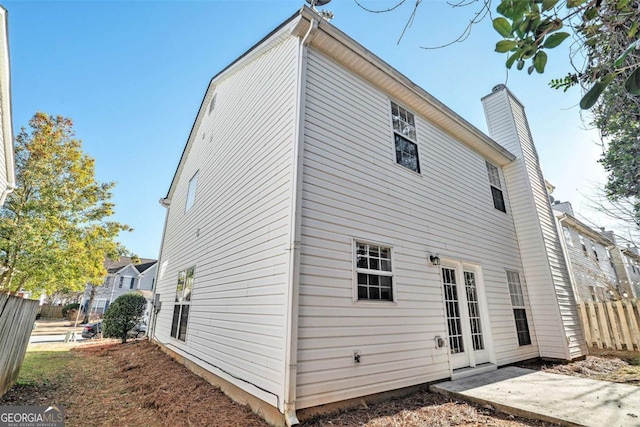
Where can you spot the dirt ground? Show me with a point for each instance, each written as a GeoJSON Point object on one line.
{"type": "Point", "coordinates": [106, 383]}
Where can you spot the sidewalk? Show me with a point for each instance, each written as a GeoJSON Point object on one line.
{"type": "Point", "coordinates": [549, 397]}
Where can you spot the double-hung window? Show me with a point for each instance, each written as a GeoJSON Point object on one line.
{"type": "Point", "coordinates": [120, 282]}
{"type": "Point", "coordinates": [567, 235]}
{"type": "Point", "coordinates": [404, 135]}
{"type": "Point", "coordinates": [133, 281]}
{"type": "Point", "coordinates": [496, 187]}
{"type": "Point", "coordinates": [182, 304]}
{"type": "Point", "coordinates": [583, 245]}
{"type": "Point", "coordinates": [519, 312]}
{"type": "Point", "coordinates": [374, 272]}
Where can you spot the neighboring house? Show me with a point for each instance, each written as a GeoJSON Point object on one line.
{"type": "Point", "coordinates": [122, 276]}
{"type": "Point", "coordinates": [333, 231]}
{"type": "Point", "coordinates": [590, 257]}
{"type": "Point", "coordinates": [601, 269]}
{"type": "Point", "coordinates": [7, 167]}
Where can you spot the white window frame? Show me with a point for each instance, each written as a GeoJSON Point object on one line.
{"type": "Point", "coordinates": [191, 192]}
{"type": "Point", "coordinates": [404, 129]}
{"type": "Point", "coordinates": [583, 244]}
{"type": "Point", "coordinates": [516, 295]}
{"type": "Point", "coordinates": [567, 235]}
{"type": "Point", "coordinates": [495, 182]}
{"type": "Point", "coordinates": [184, 290]}
{"type": "Point", "coordinates": [357, 270]}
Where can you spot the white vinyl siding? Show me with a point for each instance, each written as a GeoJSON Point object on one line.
{"type": "Point", "coordinates": [239, 234]}
{"type": "Point", "coordinates": [554, 312]}
{"type": "Point", "coordinates": [352, 187]}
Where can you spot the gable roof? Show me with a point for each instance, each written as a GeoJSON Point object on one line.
{"type": "Point", "coordinates": [327, 38]}
{"type": "Point", "coordinates": [142, 267]}
{"type": "Point", "coordinates": [114, 266]}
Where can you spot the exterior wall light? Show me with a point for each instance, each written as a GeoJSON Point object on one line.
{"type": "Point", "coordinates": [435, 259]}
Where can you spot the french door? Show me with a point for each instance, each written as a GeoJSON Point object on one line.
{"type": "Point", "coordinates": [464, 315]}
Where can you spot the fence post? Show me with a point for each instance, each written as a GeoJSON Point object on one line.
{"type": "Point", "coordinates": [594, 324]}
{"type": "Point", "coordinates": [585, 323]}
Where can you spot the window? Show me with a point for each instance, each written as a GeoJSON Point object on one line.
{"type": "Point", "coordinates": [584, 246]}
{"type": "Point", "coordinates": [191, 194]}
{"type": "Point", "coordinates": [133, 279]}
{"type": "Point", "coordinates": [567, 235]}
{"type": "Point", "coordinates": [373, 268]}
{"type": "Point", "coordinates": [212, 103]}
{"type": "Point", "coordinates": [519, 312]}
{"type": "Point", "coordinates": [595, 252]}
{"type": "Point", "coordinates": [496, 187]}
{"type": "Point", "coordinates": [121, 282]}
{"type": "Point", "coordinates": [153, 281]}
{"type": "Point", "coordinates": [404, 131]}
{"type": "Point", "coordinates": [183, 303]}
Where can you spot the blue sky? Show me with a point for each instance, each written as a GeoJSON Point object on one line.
{"type": "Point", "coordinates": [132, 75]}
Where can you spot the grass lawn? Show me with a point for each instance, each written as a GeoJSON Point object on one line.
{"type": "Point", "coordinates": [44, 367]}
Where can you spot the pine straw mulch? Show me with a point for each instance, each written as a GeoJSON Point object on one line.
{"type": "Point", "coordinates": [136, 384]}
{"type": "Point", "coordinates": [605, 365]}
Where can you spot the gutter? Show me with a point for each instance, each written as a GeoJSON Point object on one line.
{"type": "Point", "coordinates": [291, 357]}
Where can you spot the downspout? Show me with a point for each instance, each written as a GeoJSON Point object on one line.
{"type": "Point", "coordinates": [291, 345]}
{"type": "Point", "coordinates": [165, 203]}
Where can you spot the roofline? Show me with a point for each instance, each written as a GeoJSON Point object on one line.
{"type": "Point", "coordinates": [585, 228]}
{"type": "Point", "coordinates": [392, 72]}
{"type": "Point", "coordinates": [166, 201]}
{"type": "Point", "coordinates": [628, 251]}
{"type": "Point", "coordinates": [306, 13]}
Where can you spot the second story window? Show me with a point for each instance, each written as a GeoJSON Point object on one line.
{"type": "Point", "coordinates": [567, 235]}
{"type": "Point", "coordinates": [191, 193]}
{"type": "Point", "coordinates": [584, 246]}
{"type": "Point", "coordinates": [496, 187]}
{"type": "Point", "coordinates": [404, 135]}
{"type": "Point", "coordinates": [121, 282]}
{"type": "Point", "coordinates": [133, 280]}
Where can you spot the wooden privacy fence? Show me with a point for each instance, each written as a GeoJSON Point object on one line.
{"type": "Point", "coordinates": [612, 325]}
{"type": "Point", "coordinates": [16, 322]}
{"type": "Point", "coordinates": [51, 312]}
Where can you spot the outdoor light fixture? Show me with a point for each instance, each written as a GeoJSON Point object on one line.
{"type": "Point", "coordinates": [625, 295]}
{"type": "Point", "coordinates": [435, 259]}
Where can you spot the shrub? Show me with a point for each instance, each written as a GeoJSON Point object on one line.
{"type": "Point", "coordinates": [66, 308]}
{"type": "Point", "coordinates": [122, 315]}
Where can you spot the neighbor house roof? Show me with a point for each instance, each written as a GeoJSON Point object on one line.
{"type": "Point", "coordinates": [345, 50]}
{"type": "Point", "coordinates": [142, 267]}
{"type": "Point", "coordinates": [114, 266]}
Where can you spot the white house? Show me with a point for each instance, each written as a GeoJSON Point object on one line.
{"type": "Point", "coordinates": [334, 232]}
{"type": "Point", "coordinates": [7, 167]}
{"type": "Point", "coordinates": [123, 275]}
{"type": "Point", "coordinates": [601, 268]}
